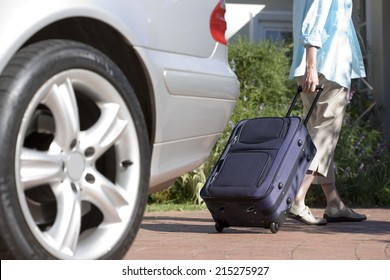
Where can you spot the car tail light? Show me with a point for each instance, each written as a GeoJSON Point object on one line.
{"type": "Point", "coordinates": [218, 22]}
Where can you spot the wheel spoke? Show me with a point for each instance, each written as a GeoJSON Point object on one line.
{"type": "Point", "coordinates": [61, 100]}
{"type": "Point", "coordinates": [66, 228]}
{"type": "Point", "coordinates": [39, 168]}
{"type": "Point", "coordinates": [105, 131]}
{"type": "Point", "coordinates": [106, 196]}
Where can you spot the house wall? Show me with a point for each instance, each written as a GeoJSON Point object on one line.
{"type": "Point", "coordinates": [262, 18]}
{"type": "Point", "coordinates": [281, 5]}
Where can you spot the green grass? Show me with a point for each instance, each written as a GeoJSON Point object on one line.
{"type": "Point", "coordinates": [168, 207]}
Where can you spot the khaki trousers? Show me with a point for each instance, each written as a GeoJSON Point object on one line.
{"type": "Point", "coordinates": [324, 127]}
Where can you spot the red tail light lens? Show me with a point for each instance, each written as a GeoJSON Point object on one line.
{"type": "Point", "coordinates": [218, 23]}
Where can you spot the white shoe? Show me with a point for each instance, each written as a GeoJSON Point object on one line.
{"type": "Point", "coordinates": [304, 215]}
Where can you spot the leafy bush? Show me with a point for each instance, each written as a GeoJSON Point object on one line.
{"type": "Point", "coordinates": [363, 165]}
{"type": "Point", "coordinates": [262, 69]}
{"type": "Point", "coordinates": [362, 156]}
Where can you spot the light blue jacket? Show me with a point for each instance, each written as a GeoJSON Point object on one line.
{"type": "Point", "coordinates": [327, 25]}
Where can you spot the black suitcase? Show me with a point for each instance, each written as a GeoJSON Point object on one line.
{"type": "Point", "coordinates": [260, 170]}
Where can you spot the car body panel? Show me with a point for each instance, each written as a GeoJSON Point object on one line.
{"type": "Point", "coordinates": [193, 87]}
{"type": "Point", "coordinates": [140, 22]}
{"type": "Point", "coordinates": [197, 96]}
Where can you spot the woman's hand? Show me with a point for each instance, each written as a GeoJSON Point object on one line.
{"type": "Point", "coordinates": [310, 79]}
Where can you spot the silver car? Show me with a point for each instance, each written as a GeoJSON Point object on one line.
{"type": "Point", "coordinates": [101, 103]}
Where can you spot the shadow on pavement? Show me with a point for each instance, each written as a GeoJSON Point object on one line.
{"type": "Point", "coordinates": [204, 225]}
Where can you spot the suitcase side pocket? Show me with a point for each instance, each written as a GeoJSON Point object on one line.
{"type": "Point", "coordinates": [240, 173]}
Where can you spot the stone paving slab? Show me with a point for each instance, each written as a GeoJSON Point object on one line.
{"type": "Point", "coordinates": [192, 236]}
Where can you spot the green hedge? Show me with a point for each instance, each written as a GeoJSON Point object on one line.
{"type": "Point", "coordinates": [363, 157]}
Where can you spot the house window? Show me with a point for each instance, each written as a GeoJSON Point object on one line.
{"type": "Point", "coordinates": [278, 35]}
{"type": "Point", "coordinates": [274, 26]}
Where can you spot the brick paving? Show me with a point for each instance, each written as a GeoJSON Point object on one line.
{"type": "Point", "coordinates": [192, 236]}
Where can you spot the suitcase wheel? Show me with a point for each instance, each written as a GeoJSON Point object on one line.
{"type": "Point", "coordinates": [219, 227]}
{"type": "Point", "coordinates": [274, 227]}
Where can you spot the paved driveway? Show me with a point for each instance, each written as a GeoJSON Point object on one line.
{"type": "Point", "coordinates": [191, 236]}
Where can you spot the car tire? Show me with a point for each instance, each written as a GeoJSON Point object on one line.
{"type": "Point", "coordinates": [75, 154]}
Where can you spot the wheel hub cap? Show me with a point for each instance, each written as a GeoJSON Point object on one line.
{"type": "Point", "coordinates": [76, 166]}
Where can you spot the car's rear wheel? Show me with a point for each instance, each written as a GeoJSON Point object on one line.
{"type": "Point", "coordinates": [75, 155]}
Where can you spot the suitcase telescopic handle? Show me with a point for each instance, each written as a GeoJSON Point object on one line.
{"type": "Point", "coordinates": [319, 90]}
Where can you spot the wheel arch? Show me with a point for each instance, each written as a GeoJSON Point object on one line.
{"type": "Point", "coordinates": [109, 41]}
